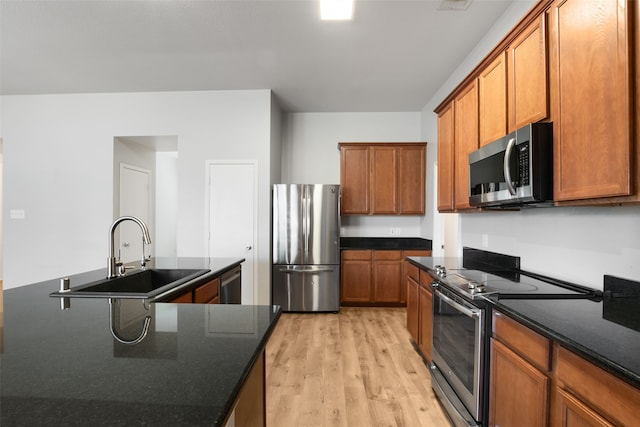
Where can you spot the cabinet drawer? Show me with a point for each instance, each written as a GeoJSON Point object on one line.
{"type": "Point", "coordinates": [206, 292]}
{"type": "Point", "coordinates": [617, 400]}
{"type": "Point", "coordinates": [362, 255]}
{"type": "Point", "coordinates": [187, 298]}
{"type": "Point", "coordinates": [425, 279]}
{"type": "Point", "coordinates": [413, 271]}
{"type": "Point", "coordinates": [387, 255]}
{"type": "Point", "coordinates": [416, 252]}
{"type": "Point", "coordinates": [529, 344]}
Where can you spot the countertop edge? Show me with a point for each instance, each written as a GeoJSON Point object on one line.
{"type": "Point", "coordinates": [385, 243]}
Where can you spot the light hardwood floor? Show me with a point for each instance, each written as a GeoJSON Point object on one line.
{"type": "Point", "coordinates": [355, 368]}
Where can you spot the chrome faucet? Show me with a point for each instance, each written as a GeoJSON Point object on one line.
{"type": "Point", "coordinates": [112, 265]}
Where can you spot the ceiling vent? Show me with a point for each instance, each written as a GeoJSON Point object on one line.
{"type": "Point", "coordinates": [454, 4]}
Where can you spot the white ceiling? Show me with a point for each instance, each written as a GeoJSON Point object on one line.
{"type": "Point", "coordinates": [392, 57]}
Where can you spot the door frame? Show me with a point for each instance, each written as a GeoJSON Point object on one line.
{"type": "Point", "coordinates": [150, 221]}
{"type": "Point", "coordinates": [254, 251]}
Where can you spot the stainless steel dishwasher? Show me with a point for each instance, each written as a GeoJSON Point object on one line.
{"type": "Point", "coordinates": [231, 286]}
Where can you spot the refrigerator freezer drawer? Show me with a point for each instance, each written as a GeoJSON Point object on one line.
{"type": "Point", "coordinates": [306, 287]}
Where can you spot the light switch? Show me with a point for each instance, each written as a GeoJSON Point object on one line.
{"type": "Point", "coordinates": [17, 214]}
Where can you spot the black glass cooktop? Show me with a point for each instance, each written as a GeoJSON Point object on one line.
{"type": "Point", "coordinates": [485, 273]}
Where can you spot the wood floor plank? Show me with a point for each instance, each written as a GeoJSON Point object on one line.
{"type": "Point", "coordinates": [353, 368]}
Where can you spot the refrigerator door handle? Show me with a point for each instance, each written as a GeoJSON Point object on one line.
{"type": "Point", "coordinates": [289, 269]}
{"type": "Point", "coordinates": [305, 220]}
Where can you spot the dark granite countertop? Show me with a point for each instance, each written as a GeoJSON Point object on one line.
{"type": "Point", "coordinates": [64, 367]}
{"type": "Point", "coordinates": [389, 243]}
{"type": "Point", "coordinates": [605, 331]}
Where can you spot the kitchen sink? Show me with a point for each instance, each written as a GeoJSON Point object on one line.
{"type": "Point", "coordinates": [140, 284]}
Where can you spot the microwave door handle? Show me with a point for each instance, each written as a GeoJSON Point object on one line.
{"type": "Point", "coordinates": [505, 166]}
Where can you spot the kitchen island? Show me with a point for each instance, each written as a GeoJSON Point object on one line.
{"type": "Point", "coordinates": [79, 366]}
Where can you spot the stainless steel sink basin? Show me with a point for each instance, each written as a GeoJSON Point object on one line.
{"type": "Point", "coordinates": [140, 284]}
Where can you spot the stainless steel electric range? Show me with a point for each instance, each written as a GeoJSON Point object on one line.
{"type": "Point", "coordinates": [461, 330]}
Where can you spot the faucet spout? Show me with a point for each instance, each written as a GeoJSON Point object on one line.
{"type": "Point", "coordinates": [112, 264]}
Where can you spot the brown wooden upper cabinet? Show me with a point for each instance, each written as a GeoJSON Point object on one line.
{"type": "Point", "coordinates": [569, 62]}
{"type": "Point", "coordinates": [492, 84]}
{"type": "Point", "coordinates": [591, 87]}
{"type": "Point", "coordinates": [465, 141]}
{"type": "Point", "coordinates": [457, 137]}
{"type": "Point", "coordinates": [446, 132]}
{"type": "Point", "coordinates": [382, 178]}
{"type": "Point", "coordinates": [528, 94]}
{"type": "Point", "coordinates": [354, 179]}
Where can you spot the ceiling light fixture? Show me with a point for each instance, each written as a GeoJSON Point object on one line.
{"type": "Point", "coordinates": [336, 10]}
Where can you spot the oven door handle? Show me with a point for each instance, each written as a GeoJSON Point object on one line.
{"type": "Point", "coordinates": [461, 308]}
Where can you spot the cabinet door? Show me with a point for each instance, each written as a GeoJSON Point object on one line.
{"type": "Point", "coordinates": [413, 304]}
{"type": "Point", "coordinates": [355, 283]}
{"type": "Point", "coordinates": [446, 126]}
{"type": "Point", "coordinates": [384, 180]}
{"type": "Point", "coordinates": [571, 412]}
{"type": "Point", "coordinates": [409, 269]}
{"type": "Point", "coordinates": [354, 180]}
{"type": "Point", "coordinates": [387, 276]}
{"type": "Point", "coordinates": [425, 316]}
{"type": "Point", "coordinates": [466, 141]}
{"type": "Point", "coordinates": [411, 180]}
{"type": "Point", "coordinates": [518, 392]}
{"type": "Point", "coordinates": [590, 98]}
{"type": "Point", "coordinates": [527, 76]}
{"type": "Point", "coordinates": [492, 98]}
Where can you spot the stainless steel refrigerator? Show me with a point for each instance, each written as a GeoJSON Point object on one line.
{"type": "Point", "coordinates": [306, 247]}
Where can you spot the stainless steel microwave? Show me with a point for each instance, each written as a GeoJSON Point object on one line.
{"type": "Point", "coordinates": [514, 171]}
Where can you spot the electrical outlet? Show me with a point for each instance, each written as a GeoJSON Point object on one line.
{"type": "Point", "coordinates": [392, 231]}
{"type": "Point", "coordinates": [17, 214]}
{"type": "Point", "coordinates": [485, 240]}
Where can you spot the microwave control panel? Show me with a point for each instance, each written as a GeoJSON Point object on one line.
{"type": "Point", "coordinates": [523, 163]}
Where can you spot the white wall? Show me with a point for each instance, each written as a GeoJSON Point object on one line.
{"type": "Point", "coordinates": [311, 156]}
{"type": "Point", "coordinates": [575, 244]}
{"type": "Point", "coordinates": [58, 157]}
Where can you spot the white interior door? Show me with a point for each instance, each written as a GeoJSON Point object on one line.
{"type": "Point", "coordinates": [135, 199]}
{"type": "Point", "coordinates": [233, 217]}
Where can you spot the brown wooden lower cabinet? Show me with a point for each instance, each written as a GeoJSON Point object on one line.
{"type": "Point", "coordinates": [571, 412]}
{"type": "Point", "coordinates": [537, 382]}
{"type": "Point", "coordinates": [425, 316]}
{"type": "Point", "coordinates": [207, 293]}
{"type": "Point", "coordinates": [419, 308]}
{"type": "Point", "coordinates": [375, 277]}
{"type": "Point", "coordinates": [185, 298]}
{"type": "Point", "coordinates": [519, 393]}
{"type": "Point", "coordinates": [387, 276]}
{"type": "Point", "coordinates": [585, 392]}
{"type": "Point", "coordinates": [250, 407]}
{"type": "Point", "coordinates": [355, 280]}
{"type": "Point", "coordinates": [413, 308]}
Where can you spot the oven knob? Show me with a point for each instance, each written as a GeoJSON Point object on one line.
{"type": "Point", "coordinates": [441, 270]}
{"type": "Point", "coordinates": [472, 285]}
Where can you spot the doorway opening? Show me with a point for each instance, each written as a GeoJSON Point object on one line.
{"type": "Point", "coordinates": [145, 184]}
